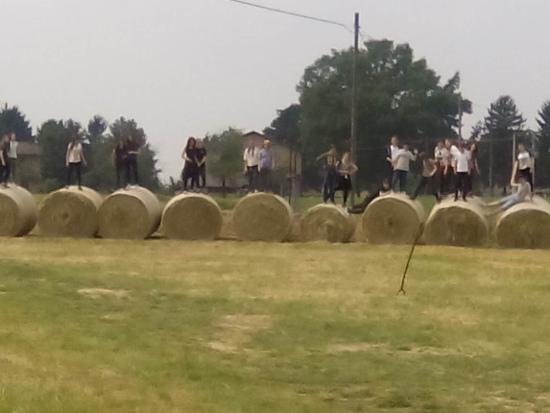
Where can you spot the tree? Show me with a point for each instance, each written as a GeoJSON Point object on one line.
{"type": "Point", "coordinates": [54, 136]}
{"type": "Point", "coordinates": [543, 164]}
{"type": "Point", "coordinates": [225, 155]}
{"type": "Point", "coordinates": [502, 121]}
{"type": "Point", "coordinates": [13, 120]}
{"type": "Point", "coordinates": [396, 94]}
{"type": "Point", "coordinates": [285, 128]}
{"type": "Point", "coordinates": [97, 126]}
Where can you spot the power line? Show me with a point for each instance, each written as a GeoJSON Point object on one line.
{"type": "Point", "coordinates": [303, 16]}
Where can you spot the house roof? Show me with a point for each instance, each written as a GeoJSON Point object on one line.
{"type": "Point", "coordinates": [253, 132]}
{"type": "Point", "coordinates": [28, 149]}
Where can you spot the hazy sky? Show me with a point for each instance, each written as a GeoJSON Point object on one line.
{"type": "Point", "coordinates": [188, 67]}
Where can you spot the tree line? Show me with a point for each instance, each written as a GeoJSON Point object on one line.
{"type": "Point", "coordinates": [99, 139]}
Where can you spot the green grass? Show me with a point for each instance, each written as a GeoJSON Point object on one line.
{"type": "Point", "coordinates": [164, 326]}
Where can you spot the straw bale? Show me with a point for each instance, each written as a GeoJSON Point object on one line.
{"type": "Point", "coordinates": [70, 212]}
{"type": "Point", "coordinates": [132, 213]}
{"type": "Point", "coordinates": [262, 217]}
{"type": "Point", "coordinates": [459, 223]}
{"type": "Point", "coordinates": [393, 219]}
{"type": "Point", "coordinates": [327, 222]}
{"type": "Point", "coordinates": [526, 225]}
{"type": "Point", "coordinates": [18, 211]}
{"type": "Point", "coordinates": [192, 217]}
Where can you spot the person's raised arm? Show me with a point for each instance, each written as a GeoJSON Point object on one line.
{"type": "Point", "coordinates": [2, 157]}
{"type": "Point", "coordinates": [514, 171]}
{"type": "Point", "coordinates": [321, 157]}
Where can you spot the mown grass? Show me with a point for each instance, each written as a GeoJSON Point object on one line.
{"type": "Point", "coordinates": [163, 326]}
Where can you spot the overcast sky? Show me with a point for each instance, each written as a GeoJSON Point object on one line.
{"type": "Point", "coordinates": [188, 67]}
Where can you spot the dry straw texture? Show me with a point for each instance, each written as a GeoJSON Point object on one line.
{"type": "Point", "coordinates": [393, 219]}
{"type": "Point", "coordinates": [526, 225]}
{"type": "Point", "coordinates": [458, 223]}
{"type": "Point", "coordinates": [18, 212]}
{"type": "Point", "coordinates": [192, 217]}
{"type": "Point", "coordinates": [132, 213]}
{"type": "Point", "coordinates": [327, 222]}
{"type": "Point", "coordinates": [262, 217]}
{"type": "Point", "coordinates": [70, 212]}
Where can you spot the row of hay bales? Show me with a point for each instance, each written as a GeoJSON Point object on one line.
{"type": "Point", "coordinates": [136, 213]}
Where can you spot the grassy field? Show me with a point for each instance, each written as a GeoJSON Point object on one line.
{"type": "Point", "coordinates": [163, 326]}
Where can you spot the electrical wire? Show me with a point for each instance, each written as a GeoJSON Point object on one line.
{"type": "Point", "coordinates": [303, 16]}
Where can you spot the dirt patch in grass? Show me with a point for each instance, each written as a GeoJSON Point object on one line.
{"type": "Point", "coordinates": [235, 332]}
{"type": "Point", "coordinates": [387, 348]}
{"type": "Point", "coordinates": [96, 293]}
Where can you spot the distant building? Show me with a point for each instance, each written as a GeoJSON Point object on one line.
{"type": "Point", "coordinates": [29, 164]}
{"type": "Point", "coordinates": [288, 163]}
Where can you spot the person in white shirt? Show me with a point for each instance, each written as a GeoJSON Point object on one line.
{"type": "Point", "coordinates": [392, 153]}
{"type": "Point", "coordinates": [74, 159]}
{"type": "Point", "coordinates": [442, 158]}
{"type": "Point", "coordinates": [251, 158]}
{"type": "Point", "coordinates": [522, 167]}
{"type": "Point", "coordinates": [450, 174]}
{"type": "Point", "coordinates": [12, 156]}
{"type": "Point", "coordinates": [401, 166]}
{"type": "Point", "coordinates": [462, 171]}
{"type": "Point", "coordinates": [523, 191]}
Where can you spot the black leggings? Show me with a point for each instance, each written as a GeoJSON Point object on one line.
{"type": "Point", "coordinates": [329, 185]}
{"type": "Point", "coordinates": [131, 164]}
{"type": "Point", "coordinates": [5, 172]}
{"type": "Point", "coordinates": [119, 173]}
{"type": "Point", "coordinates": [189, 173]}
{"type": "Point", "coordinates": [526, 173]}
{"type": "Point", "coordinates": [201, 176]}
{"type": "Point", "coordinates": [74, 166]}
{"type": "Point", "coordinates": [426, 181]}
{"type": "Point", "coordinates": [461, 184]}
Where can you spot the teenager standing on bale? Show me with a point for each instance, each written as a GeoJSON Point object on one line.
{"type": "Point", "coordinates": [190, 168]}
{"type": "Point", "coordinates": [12, 156]}
{"type": "Point", "coordinates": [331, 174]}
{"type": "Point", "coordinates": [132, 149]}
{"type": "Point", "coordinates": [442, 159]}
{"type": "Point", "coordinates": [462, 171]}
{"type": "Point", "coordinates": [74, 159]}
{"type": "Point", "coordinates": [4, 161]}
{"type": "Point", "coordinates": [346, 168]}
{"type": "Point", "coordinates": [251, 159]}
{"type": "Point", "coordinates": [266, 166]}
{"type": "Point", "coordinates": [402, 162]}
{"type": "Point", "coordinates": [523, 164]}
{"type": "Point", "coordinates": [119, 158]}
{"type": "Point", "coordinates": [429, 171]}
{"type": "Point", "coordinates": [200, 159]}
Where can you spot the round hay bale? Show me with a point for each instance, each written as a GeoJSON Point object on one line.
{"type": "Point", "coordinates": [461, 224]}
{"type": "Point", "coordinates": [70, 212]}
{"type": "Point", "coordinates": [132, 213]}
{"type": "Point", "coordinates": [393, 219]}
{"type": "Point", "coordinates": [18, 212]}
{"type": "Point", "coordinates": [526, 225]}
{"type": "Point", "coordinates": [327, 222]}
{"type": "Point", "coordinates": [262, 217]}
{"type": "Point", "coordinates": [192, 217]}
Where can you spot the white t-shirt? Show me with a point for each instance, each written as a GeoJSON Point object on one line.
{"type": "Point", "coordinates": [462, 161]}
{"type": "Point", "coordinates": [251, 157]}
{"type": "Point", "coordinates": [524, 160]}
{"type": "Point", "coordinates": [403, 159]}
{"type": "Point", "coordinates": [74, 154]}
{"type": "Point", "coordinates": [12, 154]}
{"type": "Point", "coordinates": [442, 156]}
{"type": "Point", "coordinates": [453, 151]}
{"type": "Point", "coordinates": [393, 152]}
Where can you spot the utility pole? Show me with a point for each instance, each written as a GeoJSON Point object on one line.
{"type": "Point", "coordinates": [354, 107]}
{"type": "Point", "coordinates": [460, 116]}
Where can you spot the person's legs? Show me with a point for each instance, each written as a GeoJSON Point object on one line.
{"type": "Point", "coordinates": [394, 179]}
{"type": "Point", "coordinates": [457, 186]}
{"type": "Point", "coordinates": [78, 174]}
{"type": "Point", "coordinates": [7, 172]}
{"type": "Point", "coordinates": [69, 173]}
{"type": "Point", "coordinates": [431, 182]}
{"type": "Point", "coordinates": [13, 168]}
{"type": "Point", "coordinates": [403, 181]}
{"type": "Point", "coordinates": [128, 167]}
{"type": "Point", "coordinates": [325, 188]}
{"type": "Point", "coordinates": [509, 203]}
{"type": "Point", "coordinates": [346, 194]}
{"type": "Point", "coordinates": [202, 176]}
{"type": "Point", "coordinates": [136, 174]}
{"type": "Point", "coordinates": [420, 187]}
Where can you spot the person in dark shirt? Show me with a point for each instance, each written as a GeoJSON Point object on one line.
{"type": "Point", "coordinates": [331, 174]}
{"type": "Point", "coordinates": [119, 159]}
{"type": "Point", "coordinates": [131, 150]}
{"type": "Point", "coordinates": [383, 190]}
{"type": "Point", "coordinates": [190, 169]}
{"type": "Point", "coordinates": [200, 159]}
{"type": "Point", "coordinates": [4, 161]}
